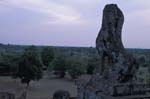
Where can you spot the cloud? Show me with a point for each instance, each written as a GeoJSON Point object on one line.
{"type": "Point", "coordinates": [87, 1]}
{"type": "Point", "coordinates": [60, 13]}
{"type": "Point", "coordinates": [146, 2]}
{"type": "Point", "coordinates": [142, 15]}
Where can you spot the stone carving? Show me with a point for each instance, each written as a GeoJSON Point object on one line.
{"type": "Point", "coordinates": [116, 65]}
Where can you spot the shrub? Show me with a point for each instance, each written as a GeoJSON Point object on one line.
{"type": "Point", "coordinates": [9, 64]}
{"type": "Point", "coordinates": [143, 75]}
{"type": "Point", "coordinates": [91, 64]}
{"type": "Point", "coordinates": [59, 66]}
{"type": "Point", "coordinates": [75, 72]}
{"type": "Point", "coordinates": [76, 67]}
{"type": "Point", "coordinates": [47, 56]}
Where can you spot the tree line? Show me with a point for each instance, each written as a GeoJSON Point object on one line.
{"type": "Point", "coordinates": [30, 64]}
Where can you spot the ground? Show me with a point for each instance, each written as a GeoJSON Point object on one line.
{"type": "Point", "coordinates": [42, 89]}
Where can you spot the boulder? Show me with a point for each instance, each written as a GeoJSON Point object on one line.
{"type": "Point", "coordinates": [61, 94]}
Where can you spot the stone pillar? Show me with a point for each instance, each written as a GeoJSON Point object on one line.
{"type": "Point", "coordinates": [116, 65]}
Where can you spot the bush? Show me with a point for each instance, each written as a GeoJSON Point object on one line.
{"type": "Point", "coordinates": [59, 73]}
{"type": "Point", "coordinates": [59, 66]}
{"type": "Point", "coordinates": [90, 69]}
{"type": "Point", "coordinates": [143, 75]}
{"type": "Point", "coordinates": [47, 56]}
{"type": "Point", "coordinates": [91, 64]}
{"type": "Point", "coordinates": [76, 67]}
{"type": "Point", "coordinates": [141, 60]}
{"type": "Point", "coordinates": [9, 64]}
{"type": "Point", "coordinates": [75, 72]}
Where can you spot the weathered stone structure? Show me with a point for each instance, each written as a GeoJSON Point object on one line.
{"type": "Point", "coordinates": [116, 65]}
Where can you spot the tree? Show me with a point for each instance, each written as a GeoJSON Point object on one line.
{"type": "Point", "coordinates": [93, 61]}
{"type": "Point", "coordinates": [76, 67]}
{"type": "Point", "coordinates": [59, 65]}
{"type": "Point", "coordinates": [8, 64]}
{"type": "Point", "coordinates": [47, 56]}
{"type": "Point", "coordinates": [30, 67]}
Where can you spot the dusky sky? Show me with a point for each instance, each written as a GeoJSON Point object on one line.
{"type": "Point", "coordinates": [70, 22]}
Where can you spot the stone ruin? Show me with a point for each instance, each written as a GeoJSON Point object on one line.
{"type": "Point", "coordinates": [115, 75]}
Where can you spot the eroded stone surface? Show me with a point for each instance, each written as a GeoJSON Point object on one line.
{"type": "Point", "coordinates": [117, 66]}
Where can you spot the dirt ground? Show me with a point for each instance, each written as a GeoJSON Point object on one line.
{"type": "Point", "coordinates": [42, 89]}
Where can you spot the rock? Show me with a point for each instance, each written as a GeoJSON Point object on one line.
{"type": "Point", "coordinates": [116, 65]}
{"type": "Point", "coordinates": [61, 94]}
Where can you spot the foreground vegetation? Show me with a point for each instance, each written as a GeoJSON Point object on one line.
{"type": "Point", "coordinates": [28, 62]}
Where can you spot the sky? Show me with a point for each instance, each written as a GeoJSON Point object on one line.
{"type": "Point", "coordinates": [70, 22]}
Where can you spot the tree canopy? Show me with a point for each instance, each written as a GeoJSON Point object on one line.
{"type": "Point", "coordinates": [30, 67]}
{"type": "Point", "coordinates": [47, 55]}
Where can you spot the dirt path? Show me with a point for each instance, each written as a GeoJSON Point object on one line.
{"type": "Point", "coordinates": [38, 90]}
